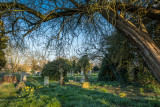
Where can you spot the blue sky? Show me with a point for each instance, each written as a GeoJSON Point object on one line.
{"type": "Point", "coordinates": [47, 30]}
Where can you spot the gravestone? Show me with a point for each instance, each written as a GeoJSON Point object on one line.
{"type": "Point", "coordinates": [24, 77]}
{"type": "Point", "coordinates": [46, 80]}
{"type": "Point", "coordinates": [85, 85]}
{"type": "Point", "coordinates": [61, 77]}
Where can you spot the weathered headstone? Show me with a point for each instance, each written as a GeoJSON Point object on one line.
{"type": "Point", "coordinates": [85, 85]}
{"type": "Point", "coordinates": [22, 75]}
{"type": "Point", "coordinates": [25, 78]}
{"type": "Point", "coordinates": [61, 77]}
{"type": "Point", "coordinates": [46, 80]}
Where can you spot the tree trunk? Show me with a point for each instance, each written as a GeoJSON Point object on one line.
{"type": "Point", "coordinates": [148, 49]}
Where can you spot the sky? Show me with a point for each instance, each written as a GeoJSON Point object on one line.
{"type": "Point", "coordinates": [41, 36]}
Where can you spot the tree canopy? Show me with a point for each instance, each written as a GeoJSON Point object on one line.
{"type": "Point", "coordinates": [3, 45]}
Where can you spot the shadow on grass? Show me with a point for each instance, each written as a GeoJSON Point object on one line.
{"type": "Point", "coordinates": [72, 95]}
{"type": "Point", "coordinates": [34, 81]}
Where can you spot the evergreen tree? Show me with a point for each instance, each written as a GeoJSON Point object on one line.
{"type": "Point", "coordinates": [52, 68]}
{"type": "Point", "coordinates": [85, 65]}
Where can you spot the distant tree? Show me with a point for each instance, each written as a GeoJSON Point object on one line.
{"type": "Point", "coordinates": [14, 57]}
{"type": "Point", "coordinates": [85, 65]}
{"type": "Point", "coordinates": [52, 68]}
{"type": "Point", "coordinates": [36, 59]}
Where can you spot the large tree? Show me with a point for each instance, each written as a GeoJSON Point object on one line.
{"type": "Point", "coordinates": [3, 45]}
{"type": "Point", "coordinates": [119, 13]}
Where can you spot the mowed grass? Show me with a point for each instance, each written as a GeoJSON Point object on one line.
{"type": "Point", "coordinates": [100, 94]}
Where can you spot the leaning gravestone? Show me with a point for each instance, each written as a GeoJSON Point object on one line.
{"type": "Point", "coordinates": [46, 80]}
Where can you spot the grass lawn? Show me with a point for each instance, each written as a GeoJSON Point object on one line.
{"type": "Point", "coordinates": [100, 94]}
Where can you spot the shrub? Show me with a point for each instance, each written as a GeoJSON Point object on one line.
{"type": "Point", "coordinates": [52, 68]}
{"type": "Point", "coordinates": [54, 103]}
